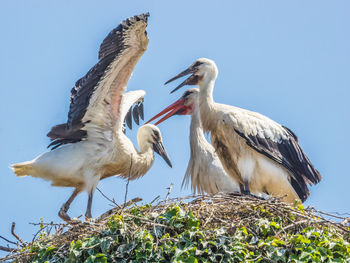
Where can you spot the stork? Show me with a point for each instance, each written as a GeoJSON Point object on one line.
{"type": "Point", "coordinates": [92, 146]}
{"type": "Point", "coordinates": [261, 154]}
{"type": "Point", "coordinates": [204, 168]}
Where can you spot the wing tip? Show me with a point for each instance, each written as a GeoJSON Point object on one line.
{"type": "Point", "coordinates": [115, 35]}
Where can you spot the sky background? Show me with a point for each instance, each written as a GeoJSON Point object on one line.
{"type": "Point", "coordinates": [289, 60]}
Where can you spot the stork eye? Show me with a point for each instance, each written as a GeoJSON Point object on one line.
{"type": "Point", "coordinates": [156, 135]}
{"type": "Point", "coordinates": [186, 94]}
{"type": "Point", "coordinates": [197, 64]}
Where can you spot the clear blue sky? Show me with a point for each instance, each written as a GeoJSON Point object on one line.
{"type": "Point", "coordinates": [289, 60]}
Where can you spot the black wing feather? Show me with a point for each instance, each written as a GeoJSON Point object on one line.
{"type": "Point", "coordinates": [83, 90]}
{"type": "Point", "coordinates": [81, 94]}
{"type": "Point", "coordinates": [135, 114]}
{"type": "Point", "coordinates": [128, 119]}
{"type": "Point", "coordinates": [141, 110]}
{"type": "Point", "coordinates": [289, 154]}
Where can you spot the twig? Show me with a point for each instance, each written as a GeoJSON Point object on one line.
{"type": "Point", "coordinates": [155, 199]}
{"type": "Point", "coordinates": [327, 214]}
{"type": "Point", "coordinates": [113, 210]}
{"type": "Point", "coordinates": [155, 233]}
{"type": "Point", "coordinates": [15, 235]}
{"type": "Point", "coordinates": [127, 183]}
{"type": "Point", "coordinates": [7, 249]}
{"type": "Point", "coordinates": [297, 223]}
{"type": "Point", "coordinates": [169, 191]}
{"type": "Point", "coordinates": [110, 200]}
{"type": "Point", "coordinates": [132, 201]}
{"type": "Point", "coordinates": [9, 241]}
{"type": "Point", "coordinates": [48, 224]}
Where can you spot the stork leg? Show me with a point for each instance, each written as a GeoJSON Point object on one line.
{"type": "Point", "coordinates": [246, 191]}
{"type": "Point", "coordinates": [245, 188]}
{"type": "Point", "coordinates": [93, 181]}
{"type": "Point", "coordinates": [63, 211]}
{"type": "Point", "coordinates": [88, 209]}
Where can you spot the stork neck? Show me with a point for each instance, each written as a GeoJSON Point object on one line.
{"type": "Point", "coordinates": [143, 161]}
{"type": "Point", "coordinates": [207, 104]}
{"type": "Point", "coordinates": [145, 149]}
{"type": "Point", "coordinates": [197, 137]}
{"type": "Point", "coordinates": [206, 91]}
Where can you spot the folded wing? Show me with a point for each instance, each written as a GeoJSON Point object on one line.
{"type": "Point", "coordinates": [277, 143]}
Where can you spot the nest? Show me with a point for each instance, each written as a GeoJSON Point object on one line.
{"type": "Point", "coordinates": [226, 211]}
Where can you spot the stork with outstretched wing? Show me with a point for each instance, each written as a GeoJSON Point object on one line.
{"type": "Point", "coordinates": [92, 145]}
{"type": "Point", "coordinates": [262, 155]}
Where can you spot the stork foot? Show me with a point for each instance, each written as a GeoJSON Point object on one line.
{"type": "Point", "coordinates": [88, 215]}
{"type": "Point", "coordinates": [64, 216]}
{"type": "Point", "coordinates": [245, 188]}
{"type": "Point", "coordinates": [246, 192]}
{"type": "Point", "coordinates": [89, 220]}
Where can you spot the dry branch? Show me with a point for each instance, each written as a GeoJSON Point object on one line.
{"type": "Point", "coordinates": [15, 235]}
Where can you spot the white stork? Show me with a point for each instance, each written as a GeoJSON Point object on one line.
{"type": "Point", "coordinates": [92, 145]}
{"type": "Point", "coordinates": [204, 168]}
{"type": "Point", "coordinates": [261, 154]}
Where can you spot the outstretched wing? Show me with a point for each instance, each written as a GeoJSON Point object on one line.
{"type": "Point", "coordinates": [96, 97]}
{"type": "Point", "coordinates": [277, 143]}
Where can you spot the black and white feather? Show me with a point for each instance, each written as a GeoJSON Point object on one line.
{"type": "Point", "coordinates": [96, 97]}
{"type": "Point", "coordinates": [93, 145]}
{"type": "Point", "coordinates": [279, 144]}
{"type": "Point", "coordinates": [261, 154]}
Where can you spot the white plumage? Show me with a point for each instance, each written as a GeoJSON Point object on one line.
{"type": "Point", "coordinates": [261, 154]}
{"type": "Point", "coordinates": [92, 145]}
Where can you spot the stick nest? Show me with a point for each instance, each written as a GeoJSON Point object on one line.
{"type": "Point", "coordinates": [228, 213]}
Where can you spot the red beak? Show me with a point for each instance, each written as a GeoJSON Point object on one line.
{"type": "Point", "coordinates": [176, 108]}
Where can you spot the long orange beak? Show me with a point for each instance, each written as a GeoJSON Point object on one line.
{"type": "Point", "coordinates": [176, 108]}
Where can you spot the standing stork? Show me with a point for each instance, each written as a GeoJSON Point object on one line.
{"type": "Point", "coordinates": [261, 154]}
{"type": "Point", "coordinates": [92, 145]}
{"type": "Point", "coordinates": [204, 168]}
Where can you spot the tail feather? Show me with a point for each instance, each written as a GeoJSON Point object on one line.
{"type": "Point", "coordinates": [23, 169]}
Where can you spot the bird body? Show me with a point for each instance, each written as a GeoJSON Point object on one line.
{"type": "Point", "coordinates": [204, 169]}
{"type": "Point", "coordinates": [92, 145]}
{"type": "Point", "coordinates": [261, 154]}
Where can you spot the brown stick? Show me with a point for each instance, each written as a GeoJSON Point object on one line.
{"type": "Point", "coordinates": [169, 191]}
{"type": "Point", "coordinates": [110, 200]}
{"type": "Point", "coordinates": [7, 249]}
{"type": "Point", "coordinates": [155, 199]}
{"type": "Point", "coordinates": [15, 235]}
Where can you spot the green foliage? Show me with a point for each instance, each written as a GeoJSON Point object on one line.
{"type": "Point", "coordinates": [177, 235]}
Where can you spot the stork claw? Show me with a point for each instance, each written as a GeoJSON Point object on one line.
{"type": "Point", "coordinates": [63, 215]}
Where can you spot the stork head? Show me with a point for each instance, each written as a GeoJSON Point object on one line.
{"type": "Point", "coordinates": [183, 106]}
{"type": "Point", "coordinates": [149, 136]}
{"type": "Point", "coordinates": [202, 70]}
